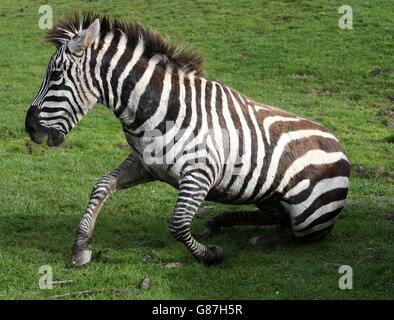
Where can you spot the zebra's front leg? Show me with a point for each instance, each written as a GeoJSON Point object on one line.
{"type": "Point", "coordinates": [128, 174]}
{"type": "Point", "coordinates": [192, 192]}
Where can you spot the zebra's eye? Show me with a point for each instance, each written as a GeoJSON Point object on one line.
{"type": "Point", "coordinates": [56, 75]}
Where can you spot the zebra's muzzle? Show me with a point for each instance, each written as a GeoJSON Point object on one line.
{"type": "Point", "coordinates": [37, 132]}
{"type": "Point", "coordinates": [55, 137]}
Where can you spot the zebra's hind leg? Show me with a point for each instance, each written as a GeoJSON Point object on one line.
{"type": "Point", "coordinates": [268, 214]}
{"type": "Point", "coordinates": [280, 215]}
{"type": "Point", "coordinates": [128, 174]}
{"type": "Point", "coordinates": [192, 192]}
{"type": "Point", "coordinates": [233, 218]}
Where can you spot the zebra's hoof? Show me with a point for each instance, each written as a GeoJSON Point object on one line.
{"type": "Point", "coordinates": [214, 255]}
{"type": "Point", "coordinates": [211, 228]}
{"type": "Point", "coordinates": [81, 258]}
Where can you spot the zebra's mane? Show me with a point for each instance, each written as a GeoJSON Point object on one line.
{"type": "Point", "coordinates": [68, 28]}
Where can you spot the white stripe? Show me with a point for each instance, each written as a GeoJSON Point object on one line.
{"type": "Point", "coordinates": [320, 188]}
{"type": "Point", "coordinates": [62, 105]}
{"type": "Point", "coordinates": [247, 144]}
{"type": "Point", "coordinates": [169, 136]}
{"type": "Point", "coordinates": [243, 102]}
{"type": "Point", "coordinates": [107, 41]}
{"type": "Point", "coordinates": [43, 88]}
{"type": "Point", "coordinates": [138, 51]}
{"type": "Point", "coordinates": [202, 136]}
{"type": "Point", "coordinates": [259, 108]}
{"type": "Point", "coordinates": [301, 186]}
{"type": "Point", "coordinates": [161, 111]}
{"type": "Point", "coordinates": [87, 72]}
{"type": "Point", "coordinates": [128, 115]}
{"type": "Point", "coordinates": [315, 228]}
{"type": "Point", "coordinates": [211, 150]}
{"type": "Point", "coordinates": [80, 88]}
{"type": "Point", "coordinates": [62, 94]}
{"type": "Point", "coordinates": [332, 206]}
{"type": "Point", "coordinates": [54, 115]}
{"type": "Point", "coordinates": [200, 176]}
{"type": "Point", "coordinates": [180, 145]}
{"type": "Point", "coordinates": [232, 144]}
{"type": "Point", "coordinates": [312, 157]}
{"type": "Point", "coordinates": [217, 130]}
{"type": "Point", "coordinates": [269, 121]}
{"type": "Point", "coordinates": [283, 141]}
{"type": "Point", "coordinates": [55, 122]}
{"type": "Point", "coordinates": [260, 154]}
{"type": "Point", "coordinates": [113, 64]}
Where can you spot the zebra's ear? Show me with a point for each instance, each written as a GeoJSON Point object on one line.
{"type": "Point", "coordinates": [85, 38]}
{"type": "Point", "coordinates": [92, 33]}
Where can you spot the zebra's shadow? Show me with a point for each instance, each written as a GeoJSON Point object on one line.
{"type": "Point", "coordinates": [52, 233]}
{"type": "Point", "coordinates": [116, 234]}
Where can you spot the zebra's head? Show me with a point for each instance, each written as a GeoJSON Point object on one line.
{"type": "Point", "coordinates": [65, 95]}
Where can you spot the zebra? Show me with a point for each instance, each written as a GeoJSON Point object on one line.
{"type": "Point", "coordinates": [229, 148]}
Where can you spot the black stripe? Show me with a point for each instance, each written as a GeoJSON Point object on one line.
{"type": "Point", "coordinates": [324, 199]}
{"type": "Point", "coordinates": [56, 109]}
{"type": "Point", "coordinates": [105, 64]}
{"type": "Point", "coordinates": [322, 219]}
{"type": "Point", "coordinates": [150, 99]}
{"type": "Point", "coordinates": [93, 63]}
{"type": "Point", "coordinates": [58, 100]}
{"type": "Point", "coordinates": [128, 87]}
{"type": "Point", "coordinates": [85, 63]}
{"type": "Point", "coordinates": [72, 92]}
{"type": "Point", "coordinates": [186, 120]}
{"type": "Point", "coordinates": [173, 106]}
{"type": "Point", "coordinates": [253, 151]}
{"type": "Point", "coordinates": [119, 68]}
{"type": "Point", "coordinates": [341, 169]}
{"type": "Point", "coordinates": [316, 234]}
{"type": "Point", "coordinates": [60, 123]}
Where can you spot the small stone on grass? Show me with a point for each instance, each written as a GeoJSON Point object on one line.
{"type": "Point", "coordinates": [173, 265]}
{"type": "Point", "coordinates": [145, 283]}
{"type": "Point", "coordinates": [123, 146]}
{"type": "Point", "coordinates": [332, 266]}
{"type": "Point", "coordinates": [61, 282]}
{"type": "Point", "coordinates": [146, 258]}
{"type": "Point", "coordinates": [359, 170]}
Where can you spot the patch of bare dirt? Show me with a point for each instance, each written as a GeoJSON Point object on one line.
{"type": "Point", "coordinates": [379, 71]}
{"type": "Point", "coordinates": [122, 146]}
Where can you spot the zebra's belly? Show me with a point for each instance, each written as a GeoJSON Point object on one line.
{"type": "Point", "coordinates": [240, 189]}
{"type": "Point", "coordinates": [221, 196]}
{"type": "Point", "coordinates": [222, 192]}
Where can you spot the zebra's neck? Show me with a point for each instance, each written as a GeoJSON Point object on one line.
{"type": "Point", "coordinates": [134, 87]}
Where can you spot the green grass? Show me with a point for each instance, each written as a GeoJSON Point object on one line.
{"type": "Point", "coordinates": [288, 54]}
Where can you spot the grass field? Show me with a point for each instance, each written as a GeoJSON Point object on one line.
{"type": "Point", "coordinates": [289, 54]}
